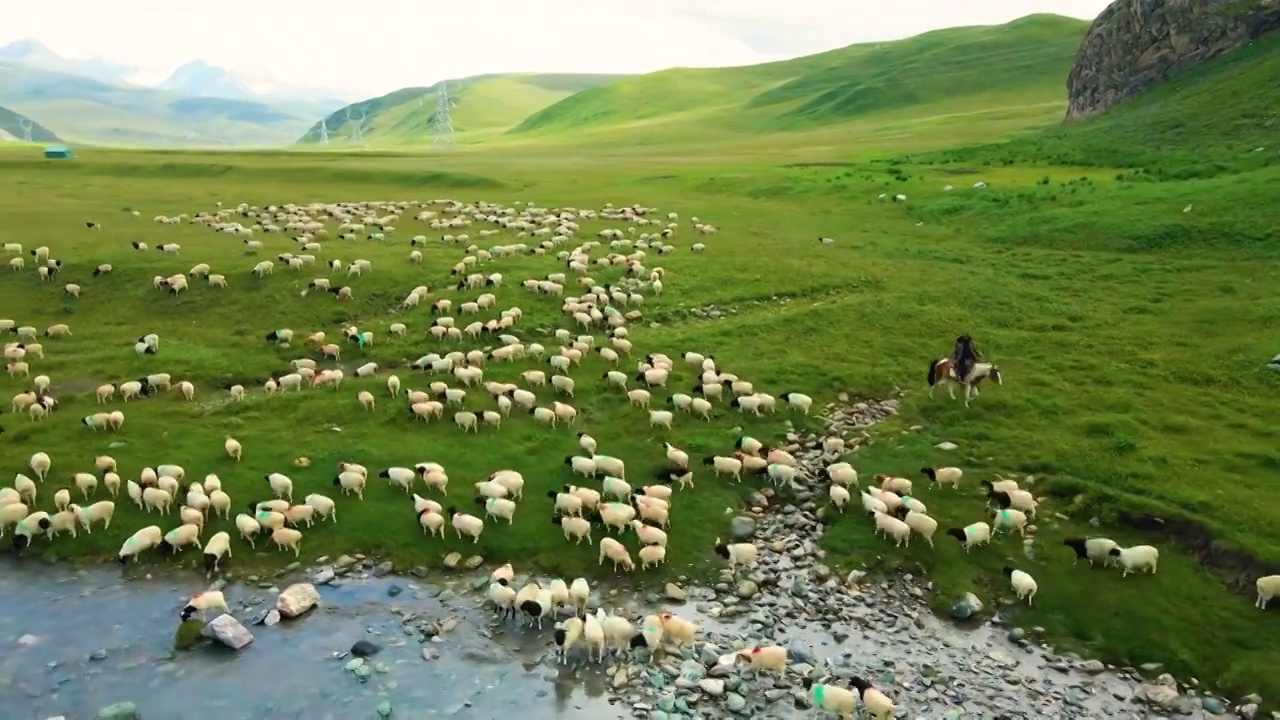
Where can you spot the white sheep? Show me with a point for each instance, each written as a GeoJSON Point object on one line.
{"type": "Point", "coordinates": [944, 475]}
{"type": "Point", "coordinates": [1268, 587]}
{"type": "Point", "coordinates": [1136, 558]}
{"type": "Point", "coordinates": [978, 533]}
{"type": "Point", "coordinates": [738, 554]}
{"type": "Point", "coordinates": [464, 524]}
{"type": "Point", "coordinates": [617, 553]}
{"type": "Point", "coordinates": [1023, 584]}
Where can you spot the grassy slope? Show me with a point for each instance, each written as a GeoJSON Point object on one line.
{"type": "Point", "coordinates": [10, 122]}
{"type": "Point", "coordinates": [941, 66]}
{"type": "Point", "coordinates": [1135, 369]}
{"type": "Point", "coordinates": [90, 111]}
{"type": "Point", "coordinates": [484, 104]}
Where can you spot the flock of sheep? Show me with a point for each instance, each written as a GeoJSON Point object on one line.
{"type": "Point", "coordinates": [598, 317]}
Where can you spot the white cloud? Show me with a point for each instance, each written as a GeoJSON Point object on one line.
{"type": "Point", "coordinates": [369, 47]}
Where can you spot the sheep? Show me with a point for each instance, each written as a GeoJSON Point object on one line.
{"type": "Point", "coordinates": [587, 443]}
{"type": "Point", "coordinates": [725, 466]}
{"type": "Point", "coordinates": [839, 496]}
{"type": "Point", "coordinates": [831, 698]}
{"type": "Point", "coordinates": [842, 473]}
{"type": "Point", "coordinates": [661, 418]}
{"type": "Point", "coordinates": [781, 474]}
{"type": "Point", "coordinates": [215, 549]}
{"type": "Point", "coordinates": [892, 526]}
{"type": "Point", "coordinates": [287, 538]}
{"type": "Point", "coordinates": [297, 514]}
{"type": "Point", "coordinates": [12, 513]}
{"type": "Point", "coordinates": [978, 533]}
{"type": "Point", "coordinates": [1011, 520]}
{"type": "Point", "coordinates": [233, 448]}
{"type": "Point", "coordinates": [1136, 558]}
{"type": "Point", "coordinates": [770, 657]}
{"type": "Point", "coordinates": [58, 331]}
{"type": "Point", "coordinates": [280, 484]}
{"type": "Point", "coordinates": [878, 705]}
{"type": "Point", "coordinates": [248, 528]}
{"type": "Point", "coordinates": [1091, 549]}
{"type": "Point", "coordinates": [738, 554]}
{"type": "Point", "coordinates": [40, 464]}
{"type": "Point", "coordinates": [142, 540]}
{"type": "Point", "coordinates": [943, 475]}
{"type": "Point", "coordinates": [498, 508]}
{"type": "Point", "coordinates": [511, 480]}
{"type": "Point", "coordinates": [205, 601]}
{"type": "Point", "coordinates": [579, 594]}
{"type": "Point", "coordinates": [797, 400]}
{"type": "Point", "coordinates": [86, 483]}
{"type": "Point", "coordinates": [1268, 587]}
{"type": "Point", "coordinates": [350, 482]}
{"type": "Point", "coordinates": [1023, 584]}
{"type": "Point", "coordinates": [1017, 500]}
{"type": "Point", "coordinates": [614, 487]}
{"type": "Point", "coordinates": [401, 476]}
{"type": "Point", "coordinates": [322, 505]}
{"type": "Point", "coordinates": [616, 552]}
{"type": "Point", "coordinates": [575, 528]}
{"type": "Point", "coordinates": [466, 524]}
{"type": "Point", "coordinates": [537, 607]}
{"type": "Point", "coordinates": [652, 555]}
{"type": "Point", "coordinates": [178, 538]}
{"type": "Point", "coordinates": [157, 499]}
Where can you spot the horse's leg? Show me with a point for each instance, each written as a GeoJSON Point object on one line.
{"type": "Point", "coordinates": [967, 393]}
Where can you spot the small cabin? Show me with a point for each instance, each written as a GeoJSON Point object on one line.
{"type": "Point", "coordinates": [58, 153]}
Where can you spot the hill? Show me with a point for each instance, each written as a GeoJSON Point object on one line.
{"type": "Point", "coordinates": [482, 104]}
{"type": "Point", "coordinates": [33, 53]}
{"type": "Point", "coordinates": [91, 111]}
{"type": "Point", "coordinates": [1020, 63]}
{"type": "Point", "coordinates": [11, 128]}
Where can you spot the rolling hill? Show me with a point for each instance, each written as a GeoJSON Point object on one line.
{"type": "Point", "coordinates": [11, 128]}
{"type": "Point", "coordinates": [483, 104]}
{"type": "Point", "coordinates": [1021, 63]}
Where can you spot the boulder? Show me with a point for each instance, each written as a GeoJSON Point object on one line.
{"type": "Point", "coordinates": [228, 631]}
{"type": "Point", "coordinates": [297, 599]}
{"type": "Point", "coordinates": [119, 711]}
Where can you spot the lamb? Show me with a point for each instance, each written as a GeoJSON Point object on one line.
{"type": "Point", "coordinates": [738, 554]}
{"type": "Point", "coordinates": [1268, 587]}
{"type": "Point", "coordinates": [978, 533]}
{"type": "Point", "coordinates": [616, 552]}
{"type": "Point", "coordinates": [142, 540]}
{"type": "Point", "coordinates": [205, 601]}
{"type": "Point", "coordinates": [1138, 557]}
{"type": "Point", "coordinates": [943, 475]}
{"type": "Point", "coordinates": [1091, 549]}
{"type": "Point", "coordinates": [878, 705]}
{"type": "Point", "coordinates": [1023, 584]}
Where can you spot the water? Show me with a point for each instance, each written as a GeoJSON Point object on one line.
{"type": "Point", "coordinates": [58, 619]}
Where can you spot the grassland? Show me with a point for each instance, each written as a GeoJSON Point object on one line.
{"type": "Point", "coordinates": [1134, 338]}
{"type": "Point", "coordinates": [483, 106]}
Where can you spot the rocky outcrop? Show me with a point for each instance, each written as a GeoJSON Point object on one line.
{"type": "Point", "coordinates": [1136, 44]}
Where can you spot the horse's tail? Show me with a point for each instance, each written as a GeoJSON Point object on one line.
{"type": "Point", "coordinates": [933, 371]}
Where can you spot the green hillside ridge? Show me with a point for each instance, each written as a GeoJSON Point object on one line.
{"type": "Point", "coordinates": [11, 126]}
{"type": "Point", "coordinates": [92, 111]}
{"type": "Point", "coordinates": [1019, 63]}
{"type": "Point", "coordinates": [482, 103]}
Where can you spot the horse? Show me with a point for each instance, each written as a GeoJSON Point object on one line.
{"type": "Point", "coordinates": [941, 372]}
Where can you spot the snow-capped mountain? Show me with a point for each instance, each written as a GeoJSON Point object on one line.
{"type": "Point", "coordinates": [35, 54]}
{"type": "Point", "coordinates": [200, 79]}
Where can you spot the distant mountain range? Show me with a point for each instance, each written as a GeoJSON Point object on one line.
{"type": "Point", "coordinates": [16, 127]}
{"type": "Point", "coordinates": [97, 101]}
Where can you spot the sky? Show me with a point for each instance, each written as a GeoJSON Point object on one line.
{"type": "Point", "coordinates": [369, 47]}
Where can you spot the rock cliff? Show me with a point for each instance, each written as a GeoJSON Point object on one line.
{"type": "Point", "coordinates": [1135, 44]}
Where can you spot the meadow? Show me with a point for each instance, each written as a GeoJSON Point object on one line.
{"type": "Point", "coordinates": [1134, 339]}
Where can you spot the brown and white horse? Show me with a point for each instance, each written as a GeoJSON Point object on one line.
{"type": "Point", "coordinates": [941, 372]}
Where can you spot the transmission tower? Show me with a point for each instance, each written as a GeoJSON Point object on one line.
{"type": "Point", "coordinates": [324, 132]}
{"type": "Point", "coordinates": [25, 124]}
{"type": "Point", "coordinates": [442, 120]}
{"type": "Point", "coordinates": [357, 128]}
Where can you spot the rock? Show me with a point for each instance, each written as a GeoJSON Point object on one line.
{"type": "Point", "coordinates": [966, 607]}
{"type": "Point", "coordinates": [947, 446]}
{"type": "Point", "coordinates": [297, 599]}
{"type": "Point", "coordinates": [1093, 667]}
{"type": "Point", "coordinates": [473, 562]}
{"type": "Point", "coordinates": [1017, 635]}
{"type": "Point", "coordinates": [365, 648]}
{"type": "Point", "coordinates": [674, 592]}
{"type": "Point", "coordinates": [742, 527]}
{"type": "Point", "coordinates": [735, 703]}
{"type": "Point", "coordinates": [452, 559]}
{"type": "Point", "coordinates": [228, 631]}
{"type": "Point", "coordinates": [747, 589]}
{"type": "Point", "coordinates": [1213, 705]}
{"type": "Point", "coordinates": [99, 654]}
{"type": "Point", "coordinates": [271, 618]}
{"type": "Point", "coordinates": [1136, 44]}
{"type": "Point", "coordinates": [1162, 693]}
{"type": "Point", "coordinates": [712, 686]}
{"type": "Point", "coordinates": [189, 634]}
{"type": "Point", "coordinates": [384, 709]}
{"type": "Point", "coordinates": [323, 577]}
{"type": "Point", "coordinates": [119, 711]}
{"type": "Point", "coordinates": [1248, 712]}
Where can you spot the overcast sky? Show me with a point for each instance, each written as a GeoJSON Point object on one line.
{"type": "Point", "coordinates": [368, 47]}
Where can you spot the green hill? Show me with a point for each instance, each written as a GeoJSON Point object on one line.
{"type": "Point", "coordinates": [92, 111]}
{"type": "Point", "coordinates": [482, 104]}
{"type": "Point", "coordinates": [1020, 63]}
{"type": "Point", "coordinates": [11, 128]}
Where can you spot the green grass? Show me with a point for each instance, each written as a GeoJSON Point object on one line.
{"type": "Point", "coordinates": [483, 105]}
{"type": "Point", "coordinates": [1134, 338]}
{"type": "Point", "coordinates": [936, 67]}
